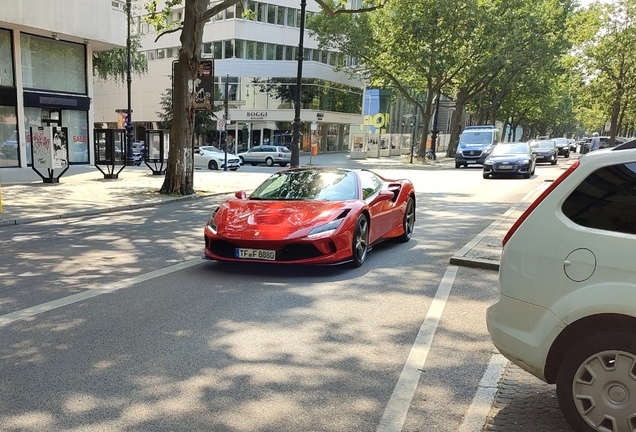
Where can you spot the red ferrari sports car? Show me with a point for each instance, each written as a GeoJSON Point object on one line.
{"type": "Point", "coordinates": [312, 216]}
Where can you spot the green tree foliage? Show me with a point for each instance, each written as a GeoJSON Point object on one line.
{"type": "Point", "coordinates": [113, 64]}
{"type": "Point", "coordinates": [609, 66]}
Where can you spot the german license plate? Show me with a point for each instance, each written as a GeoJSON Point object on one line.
{"type": "Point", "coordinates": [505, 166]}
{"type": "Point", "coordinates": [471, 161]}
{"type": "Point", "coordinates": [259, 254]}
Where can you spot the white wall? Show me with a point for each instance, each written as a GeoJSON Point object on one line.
{"type": "Point", "coordinates": [73, 20]}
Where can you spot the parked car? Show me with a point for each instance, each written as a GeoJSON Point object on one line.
{"type": "Point", "coordinates": [267, 154]}
{"type": "Point", "coordinates": [566, 311]}
{"type": "Point", "coordinates": [510, 159]}
{"type": "Point", "coordinates": [563, 146]}
{"type": "Point", "coordinates": [544, 151]}
{"type": "Point", "coordinates": [312, 216]}
{"type": "Point", "coordinates": [572, 144]}
{"type": "Point", "coordinates": [213, 159]}
{"type": "Point", "coordinates": [475, 144]}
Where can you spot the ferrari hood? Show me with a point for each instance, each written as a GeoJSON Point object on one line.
{"type": "Point", "coordinates": [274, 220]}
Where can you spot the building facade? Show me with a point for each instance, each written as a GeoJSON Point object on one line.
{"type": "Point", "coordinates": [46, 51]}
{"type": "Point", "coordinates": [258, 59]}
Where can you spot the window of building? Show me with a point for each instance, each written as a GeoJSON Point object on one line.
{"type": "Point", "coordinates": [605, 200]}
{"type": "Point", "coordinates": [229, 49]}
{"type": "Point", "coordinates": [333, 58]}
{"type": "Point", "coordinates": [324, 56]}
{"type": "Point", "coordinates": [9, 148]}
{"type": "Point", "coordinates": [307, 54]}
{"type": "Point", "coordinates": [239, 10]}
{"type": "Point", "coordinates": [317, 55]}
{"type": "Point", "coordinates": [239, 48]}
{"type": "Point", "coordinates": [229, 12]}
{"type": "Point", "coordinates": [253, 6]}
{"type": "Point", "coordinates": [207, 48]}
{"type": "Point", "coordinates": [151, 54]}
{"type": "Point", "coordinates": [298, 17]}
{"type": "Point", "coordinates": [161, 54]}
{"type": "Point", "coordinates": [271, 52]}
{"type": "Point", "coordinates": [291, 17]}
{"type": "Point", "coordinates": [261, 14]}
{"type": "Point", "coordinates": [218, 50]}
{"type": "Point", "coordinates": [279, 52]}
{"type": "Point", "coordinates": [271, 13]}
{"type": "Point", "coordinates": [280, 15]}
{"type": "Point", "coordinates": [260, 50]}
{"type": "Point", "coordinates": [289, 53]}
{"type": "Point", "coordinates": [250, 51]}
{"type": "Point", "coordinates": [6, 59]}
{"type": "Point", "coordinates": [48, 64]}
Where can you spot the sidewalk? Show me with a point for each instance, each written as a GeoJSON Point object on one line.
{"type": "Point", "coordinates": [83, 191]}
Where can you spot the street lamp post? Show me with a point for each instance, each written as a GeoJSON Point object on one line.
{"type": "Point", "coordinates": [435, 130]}
{"type": "Point", "coordinates": [295, 156]}
{"type": "Point", "coordinates": [130, 158]}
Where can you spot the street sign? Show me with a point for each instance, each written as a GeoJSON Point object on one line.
{"type": "Point", "coordinates": [220, 124]}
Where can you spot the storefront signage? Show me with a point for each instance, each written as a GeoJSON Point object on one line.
{"type": "Point", "coordinates": [254, 115]}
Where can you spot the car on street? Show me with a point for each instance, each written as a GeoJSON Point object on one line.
{"type": "Point", "coordinates": [10, 146]}
{"type": "Point", "coordinates": [572, 144]}
{"type": "Point", "coordinates": [563, 146]}
{"type": "Point", "coordinates": [269, 155]}
{"type": "Point", "coordinates": [312, 216]}
{"type": "Point", "coordinates": [510, 159]}
{"type": "Point", "coordinates": [212, 158]}
{"type": "Point", "coordinates": [475, 144]}
{"type": "Point", "coordinates": [565, 310]}
{"type": "Point", "coordinates": [544, 151]}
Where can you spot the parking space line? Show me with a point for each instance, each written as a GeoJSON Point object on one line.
{"type": "Point", "coordinates": [400, 401]}
{"type": "Point", "coordinates": [479, 409]}
{"type": "Point", "coordinates": [85, 295]}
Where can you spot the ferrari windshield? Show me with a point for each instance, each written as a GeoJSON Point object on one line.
{"type": "Point", "coordinates": [311, 184]}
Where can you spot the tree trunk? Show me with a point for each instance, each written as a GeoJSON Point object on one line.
{"type": "Point", "coordinates": [456, 123]}
{"type": "Point", "coordinates": [179, 178]}
{"type": "Point", "coordinates": [426, 119]}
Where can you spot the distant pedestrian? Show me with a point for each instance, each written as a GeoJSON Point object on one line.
{"type": "Point", "coordinates": [596, 142]}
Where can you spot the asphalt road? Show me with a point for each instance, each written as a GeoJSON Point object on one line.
{"type": "Point", "coordinates": [143, 335]}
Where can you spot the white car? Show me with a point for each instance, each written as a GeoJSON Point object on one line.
{"type": "Point", "coordinates": [212, 158]}
{"type": "Point", "coordinates": [566, 310]}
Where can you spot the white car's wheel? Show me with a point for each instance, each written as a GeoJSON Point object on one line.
{"type": "Point", "coordinates": [212, 165]}
{"type": "Point", "coordinates": [596, 383]}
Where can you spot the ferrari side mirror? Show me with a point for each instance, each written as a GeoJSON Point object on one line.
{"type": "Point", "coordinates": [241, 195]}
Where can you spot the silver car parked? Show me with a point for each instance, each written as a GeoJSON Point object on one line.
{"type": "Point", "coordinates": [267, 154]}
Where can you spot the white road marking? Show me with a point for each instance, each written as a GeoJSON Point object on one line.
{"type": "Point", "coordinates": [398, 406]}
{"type": "Point", "coordinates": [65, 301]}
{"type": "Point", "coordinates": [478, 411]}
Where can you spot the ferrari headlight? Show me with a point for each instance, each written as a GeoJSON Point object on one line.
{"type": "Point", "coordinates": [211, 224]}
{"type": "Point", "coordinates": [331, 226]}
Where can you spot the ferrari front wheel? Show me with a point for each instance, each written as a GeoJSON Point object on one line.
{"type": "Point", "coordinates": [360, 245]}
{"type": "Point", "coordinates": [409, 221]}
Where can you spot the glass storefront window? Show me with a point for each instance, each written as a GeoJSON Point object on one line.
{"type": "Point", "coordinates": [48, 64]}
{"type": "Point", "coordinates": [6, 59]}
{"type": "Point", "coordinates": [32, 119]}
{"type": "Point", "coordinates": [9, 142]}
{"type": "Point", "coordinates": [280, 15]}
{"type": "Point", "coordinates": [279, 52]}
{"type": "Point", "coordinates": [218, 50]}
{"type": "Point", "coordinates": [229, 12]}
{"type": "Point", "coordinates": [271, 14]}
{"type": "Point", "coordinates": [77, 125]}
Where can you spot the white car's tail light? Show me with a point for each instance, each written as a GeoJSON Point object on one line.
{"type": "Point", "coordinates": [536, 202]}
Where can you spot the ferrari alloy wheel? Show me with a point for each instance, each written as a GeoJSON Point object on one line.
{"type": "Point", "coordinates": [212, 165]}
{"type": "Point", "coordinates": [269, 162]}
{"type": "Point", "coordinates": [409, 221]}
{"type": "Point", "coordinates": [596, 383]}
{"type": "Point", "coordinates": [360, 241]}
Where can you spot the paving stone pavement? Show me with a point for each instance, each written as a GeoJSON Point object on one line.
{"type": "Point", "coordinates": [525, 403]}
